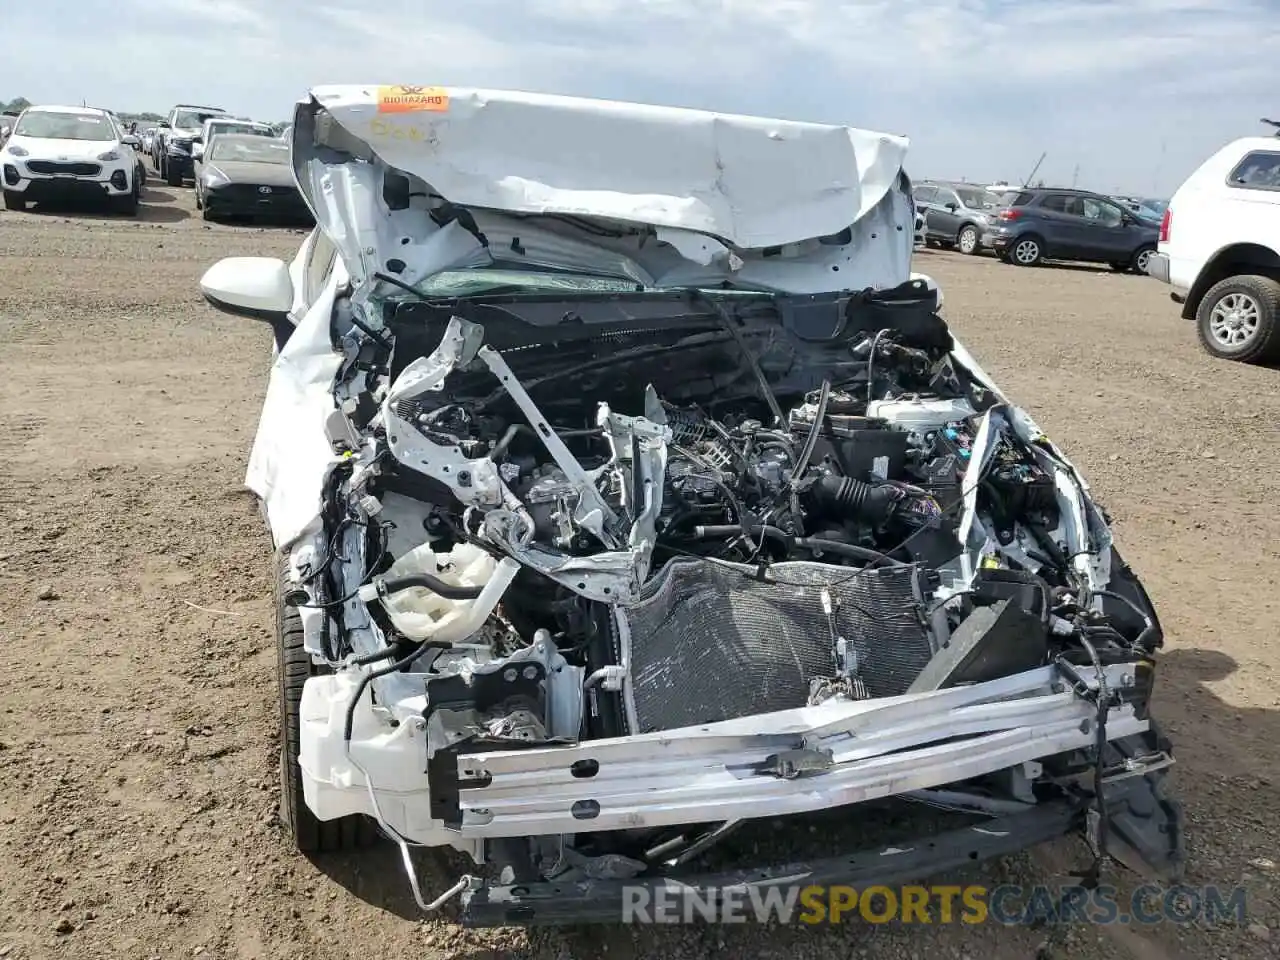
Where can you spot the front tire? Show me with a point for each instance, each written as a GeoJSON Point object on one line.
{"type": "Point", "coordinates": [171, 176]}
{"type": "Point", "coordinates": [14, 201]}
{"type": "Point", "coordinates": [967, 239]}
{"type": "Point", "coordinates": [1026, 252]}
{"type": "Point", "coordinates": [127, 204]}
{"type": "Point", "coordinates": [1239, 319]}
{"type": "Point", "coordinates": [308, 834]}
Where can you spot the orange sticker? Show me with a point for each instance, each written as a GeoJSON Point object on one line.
{"type": "Point", "coordinates": [412, 99]}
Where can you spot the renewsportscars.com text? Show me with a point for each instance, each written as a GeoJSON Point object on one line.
{"type": "Point", "coordinates": [1007, 904]}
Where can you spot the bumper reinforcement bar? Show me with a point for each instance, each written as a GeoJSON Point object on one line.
{"type": "Point", "coordinates": [604, 901]}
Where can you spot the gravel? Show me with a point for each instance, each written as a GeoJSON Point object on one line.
{"type": "Point", "coordinates": [138, 718]}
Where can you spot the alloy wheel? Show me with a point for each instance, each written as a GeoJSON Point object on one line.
{"type": "Point", "coordinates": [1233, 322]}
{"type": "Point", "coordinates": [1026, 251]}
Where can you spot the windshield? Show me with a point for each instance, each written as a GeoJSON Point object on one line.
{"type": "Point", "coordinates": [248, 129]}
{"type": "Point", "coordinates": [249, 151]}
{"type": "Point", "coordinates": [64, 126]}
{"type": "Point", "coordinates": [978, 199]}
{"type": "Point", "coordinates": [190, 119]}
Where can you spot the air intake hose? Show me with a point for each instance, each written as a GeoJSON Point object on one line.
{"type": "Point", "coordinates": [870, 502]}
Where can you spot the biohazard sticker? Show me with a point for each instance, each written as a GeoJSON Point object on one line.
{"type": "Point", "coordinates": [412, 99]}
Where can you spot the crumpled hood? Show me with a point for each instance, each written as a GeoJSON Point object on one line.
{"type": "Point", "coordinates": [665, 196]}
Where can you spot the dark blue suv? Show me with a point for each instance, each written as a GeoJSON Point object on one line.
{"type": "Point", "coordinates": [1043, 223]}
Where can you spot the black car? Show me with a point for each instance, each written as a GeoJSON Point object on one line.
{"type": "Point", "coordinates": [171, 146]}
{"type": "Point", "coordinates": [1045, 223]}
{"type": "Point", "coordinates": [248, 175]}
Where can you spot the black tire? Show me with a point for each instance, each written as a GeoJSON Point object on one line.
{"type": "Point", "coordinates": [127, 204]}
{"type": "Point", "coordinates": [14, 200]}
{"type": "Point", "coordinates": [969, 235]}
{"type": "Point", "coordinates": [1141, 257]}
{"type": "Point", "coordinates": [1026, 251]}
{"type": "Point", "coordinates": [1264, 295]}
{"type": "Point", "coordinates": [308, 834]}
{"type": "Point", "coordinates": [171, 176]}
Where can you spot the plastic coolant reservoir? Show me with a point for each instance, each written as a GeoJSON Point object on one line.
{"type": "Point", "coordinates": [920, 416]}
{"type": "Point", "coordinates": [420, 614]}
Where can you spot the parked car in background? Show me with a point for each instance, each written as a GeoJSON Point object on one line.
{"type": "Point", "coordinates": [7, 121]}
{"type": "Point", "coordinates": [248, 175]}
{"type": "Point", "coordinates": [1047, 223]}
{"type": "Point", "coordinates": [70, 153]}
{"type": "Point", "coordinates": [175, 135]}
{"type": "Point", "coordinates": [1220, 250]}
{"type": "Point", "coordinates": [219, 125]}
{"type": "Point", "coordinates": [955, 214]}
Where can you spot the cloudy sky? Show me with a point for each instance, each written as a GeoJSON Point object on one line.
{"type": "Point", "coordinates": [1131, 94]}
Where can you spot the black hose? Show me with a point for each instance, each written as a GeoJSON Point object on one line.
{"type": "Point", "coordinates": [369, 678]}
{"type": "Point", "coordinates": [449, 591]}
{"type": "Point", "coordinates": [873, 502]}
{"type": "Point", "coordinates": [806, 543]}
{"type": "Point", "coordinates": [516, 429]}
{"type": "Point", "coordinates": [845, 549]}
{"type": "Point", "coordinates": [811, 441]}
{"type": "Point", "coordinates": [1149, 626]}
{"type": "Point", "coordinates": [500, 448]}
{"type": "Point", "coordinates": [386, 653]}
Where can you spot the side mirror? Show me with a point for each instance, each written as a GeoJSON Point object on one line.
{"type": "Point", "coordinates": [953, 207]}
{"type": "Point", "coordinates": [256, 287]}
{"type": "Point", "coordinates": [197, 149]}
{"type": "Point", "coordinates": [163, 125]}
{"type": "Point", "coordinates": [131, 140]}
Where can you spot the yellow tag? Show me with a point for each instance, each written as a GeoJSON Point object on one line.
{"type": "Point", "coordinates": [413, 99]}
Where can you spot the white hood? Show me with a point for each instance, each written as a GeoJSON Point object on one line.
{"type": "Point", "coordinates": [664, 196]}
{"type": "Point", "coordinates": [43, 148]}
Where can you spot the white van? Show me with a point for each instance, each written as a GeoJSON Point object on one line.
{"type": "Point", "coordinates": [1220, 250]}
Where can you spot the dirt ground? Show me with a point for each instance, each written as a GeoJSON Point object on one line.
{"type": "Point", "coordinates": [137, 692]}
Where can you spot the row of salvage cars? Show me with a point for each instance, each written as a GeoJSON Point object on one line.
{"type": "Point", "coordinates": [625, 496]}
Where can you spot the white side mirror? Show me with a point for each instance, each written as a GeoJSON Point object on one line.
{"type": "Point", "coordinates": [197, 150]}
{"type": "Point", "coordinates": [257, 287]}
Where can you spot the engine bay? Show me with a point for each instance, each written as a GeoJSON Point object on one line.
{"type": "Point", "coordinates": [550, 522]}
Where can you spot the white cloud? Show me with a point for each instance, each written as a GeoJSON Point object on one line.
{"type": "Point", "coordinates": [981, 86]}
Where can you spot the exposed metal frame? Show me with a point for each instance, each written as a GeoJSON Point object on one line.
{"type": "Point", "coordinates": [601, 901]}
{"type": "Point", "coordinates": [853, 751]}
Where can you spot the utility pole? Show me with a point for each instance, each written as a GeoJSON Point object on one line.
{"type": "Point", "coordinates": [1075, 176]}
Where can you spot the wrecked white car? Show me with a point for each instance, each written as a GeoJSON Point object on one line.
{"type": "Point", "coordinates": [628, 489]}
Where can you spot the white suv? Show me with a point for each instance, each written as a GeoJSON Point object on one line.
{"type": "Point", "coordinates": [70, 153]}
{"type": "Point", "coordinates": [1220, 250]}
